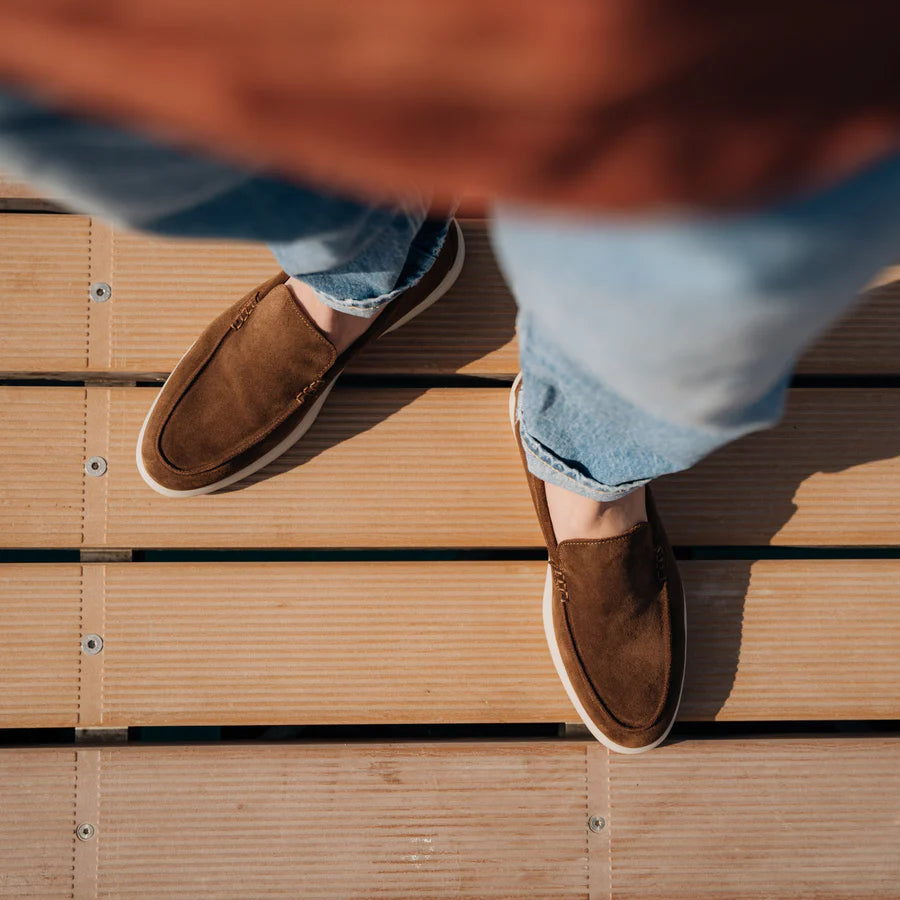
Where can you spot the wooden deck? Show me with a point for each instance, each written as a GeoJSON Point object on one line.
{"type": "Point", "coordinates": [335, 676]}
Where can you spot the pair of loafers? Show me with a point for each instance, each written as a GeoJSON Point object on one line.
{"type": "Point", "coordinates": [254, 382]}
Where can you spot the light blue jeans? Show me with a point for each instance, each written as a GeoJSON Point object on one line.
{"type": "Point", "coordinates": [645, 343]}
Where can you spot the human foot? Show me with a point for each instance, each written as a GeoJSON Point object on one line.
{"type": "Point", "coordinates": [254, 381]}
{"type": "Point", "coordinates": [613, 609]}
{"type": "Point", "coordinates": [341, 328]}
{"type": "Point", "coordinates": [575, 516]}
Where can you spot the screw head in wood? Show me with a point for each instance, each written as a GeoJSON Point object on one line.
{"type": "Point", "coordinates": [100, 292]}
{"type": "Point", "coordinates": [596, 823]}
{"type": "Point", "coordinates": [85, 831]}
{"type": "Point", "coordinates": [92, 644]}
{"type": "Point", "coordinates": [95, 466]}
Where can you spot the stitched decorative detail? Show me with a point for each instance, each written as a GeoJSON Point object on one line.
{"type": "Point", "coordinates": [246, 309]}
{"type": "Point", "coordinates": [660, 565]}
{"type": "Point", "coordinates": [560, 580]}
{"type": "Point", "coordinates": [308, 389]}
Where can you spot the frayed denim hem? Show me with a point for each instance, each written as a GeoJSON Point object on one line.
{"type": "Point", "coordinates": [426, 247]}
{"type": "Point", "coordinates": [364, 309]}
{"type": "Point", "coordinates": [548, 468]}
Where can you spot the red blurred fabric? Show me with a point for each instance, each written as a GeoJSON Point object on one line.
{"type": "Point", "coordinates": [621, 105]}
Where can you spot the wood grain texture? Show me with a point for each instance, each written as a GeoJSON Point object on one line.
{"type": "Point", "coordinates": [166, 291]}
{"type": "Point", "coordinates": [337, 643]}
{"type": "Point", "coordinates": [381, 468]}
{"type": "Point", "coordinates": [774, 818]}
{"type": "Point", "coordinates": [866, 340]}
{"type": "Point", "coordinates": [40, 667]}
{"type": "Point", "coordinates": [163, 288]}
{"type": "Point", "coordinates": [463, 642]}
{"type": "Point", "coordinates": [793, 817]}
{"type": "Point", "coordinates": [37, 824]}
{"type": "Point", "coordinates": [419, 643]}
{"type": "Point", "coordinates": [836, 451]}
{"type": "Point", "coordinates": [791, 640]}
{"type": "Point", "coordinates": [421, 821]}
{"type": "Point", "coordinates": [42, 456]}
{"type": "Point", "coordinates": [44, 284]}
{"type": "Point", "coordinates": [444, 464]}
{"type": "Point", "coordinates": [828, 475]}
{"type": "Point", "coordinates": [342, 821]}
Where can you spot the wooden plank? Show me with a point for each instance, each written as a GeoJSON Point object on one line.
{"type": "Point", "coordinates": [41, 611]}
{"type": "Point", "coordinates": [751, 819]}
{"type": "Point", "coordinates": [774, 818]}
{"type": "Point", "coordinates": [329, 643]}
{"type": "Point", "coordinates": [419, 642]}
{"type": "Point", "coordinates": [792, 639]}
{"type": "Point", "coordinates": [444, 462]}
{"type": "Point", "coordinates": [828, 475]}
{"type": "Point", "coordinates": [328, 821]}
{"type": "Point", "coordinates": [42, 456]}
{"type": "Point", "coordinates": [163, 288]}
{"type": "Point", "coordinates": [44, 284]}
{"type": "Point", "coordinates": [867, 340]}
{"type": "Point", "coordinates": [383, 468]}
{"type": "Point", "coordinates": [37, 825]}
{"type": "Point", "coordinates": [166, 291]}
{"type": "Point", "coordinates": [884, 278]}
{"type": "Point", "coordinates": [455, 479]}
{"type": "Point", "coordinates": [463, 642]}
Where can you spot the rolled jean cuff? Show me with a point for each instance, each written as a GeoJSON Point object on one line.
{"type": "Point", "coordinates": [367, 308]}
{"type": "Point", "coordinates": [423, 251]}
{"type": "Point", "coordinates": [544, 465]}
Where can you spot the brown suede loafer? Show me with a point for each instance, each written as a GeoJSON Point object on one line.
{"type": "Point", "coordinates": [254, 381]}
{"type": "Point", "coordinates": [615, 621]}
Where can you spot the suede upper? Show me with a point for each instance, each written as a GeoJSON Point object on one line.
{"type": "Point", "coordinates": [618, 621]}
{"type": "Point", "coordinates": [251, 379]}
{"type": "Point", "coordinates": [619, 628]}
{"type": "Point", "coordinates": [245, 386]}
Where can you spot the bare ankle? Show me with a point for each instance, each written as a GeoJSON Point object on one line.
{"type": "Point", "coordinates": [341, 328]}
{"type": "Point", "coordinates": [575, 516]}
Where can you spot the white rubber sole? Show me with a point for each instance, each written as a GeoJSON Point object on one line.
{"type": "Point", "coordinates": [553, 644]}
{"type": "Point", "coordinates": [307, 421]}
